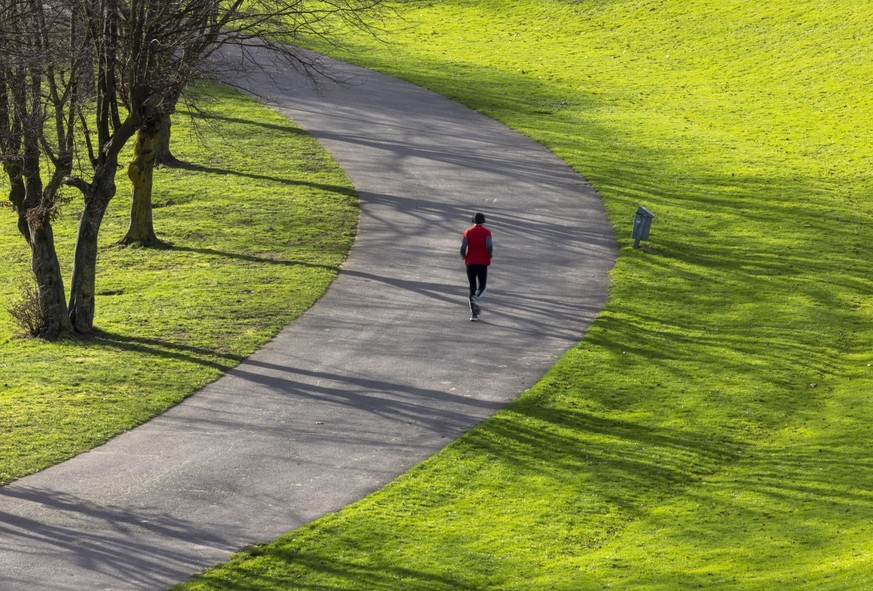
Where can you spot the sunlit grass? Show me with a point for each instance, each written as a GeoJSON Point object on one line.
{"type": "Point", "coordinates": [712, 430]}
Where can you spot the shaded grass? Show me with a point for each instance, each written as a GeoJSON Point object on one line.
{"type": "Point", "coordinates": [255, 240]}
{"type": "Point", "coordinates": [712, 429]}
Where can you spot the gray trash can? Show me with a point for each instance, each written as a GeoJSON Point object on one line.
{"type": "Point", "coordinates": [642, 224]}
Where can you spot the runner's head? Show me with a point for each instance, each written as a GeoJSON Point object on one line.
{"type": "Point", "coordinates": [479, 218]}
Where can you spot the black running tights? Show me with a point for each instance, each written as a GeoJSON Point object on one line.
{"type": "Point", "coordinates": [477, 274]}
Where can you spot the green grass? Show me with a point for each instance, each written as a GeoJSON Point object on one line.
{"type": "Point", "coordinates": [712, 430]}
{"type": "Point", "coordinates": [255, 239]}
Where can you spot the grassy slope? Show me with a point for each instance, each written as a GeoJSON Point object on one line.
{"type": "Point", "coordinates": [256, 239]}
{"type": "Point", "coordinates": [712, 430]}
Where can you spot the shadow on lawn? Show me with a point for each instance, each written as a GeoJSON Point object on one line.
{"type": "Point", "coordinates": [331, 572]}
{"type": "Point", "coordinates": [279, 127]}
{"type": "Point", "coordinates": [338, 189]}
{"type": "Point", "coordinates": [772, 521]}
{"type": "Point", "coordinates": [213, 358]}
{"type": "Point", "coordinates": [252, 258]}
{"type": "Point", "coordinates": [622, 461]}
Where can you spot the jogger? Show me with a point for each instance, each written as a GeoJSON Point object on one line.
{"type": "Point", "coordinates": [476, 250]}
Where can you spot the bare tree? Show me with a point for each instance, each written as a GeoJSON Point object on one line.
{"type": "Point", "coordinates": [184, 40]}
{"type": "Point", "coordinates": [89, 75]}
{"type": "Point", "coordinates": [177, 36]}
{"type": "Point", "coordinates": [123, 62]}
{"type": "Point", "coordinates": [39, 94]}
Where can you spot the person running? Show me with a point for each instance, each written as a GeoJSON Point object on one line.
{"type": "Point", "coordinates": [476, 250]}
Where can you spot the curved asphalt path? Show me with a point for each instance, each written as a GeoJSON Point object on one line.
{"type": "Point", "coordinates": [383, 371]}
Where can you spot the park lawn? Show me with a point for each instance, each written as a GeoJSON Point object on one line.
{"type": "Point", "coordinates": [256, 239]}
{"type": "Point", "coordinates": [713, 428]}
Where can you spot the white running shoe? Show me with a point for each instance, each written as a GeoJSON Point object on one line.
{"type": "Point", "coordinates": [474, 305]}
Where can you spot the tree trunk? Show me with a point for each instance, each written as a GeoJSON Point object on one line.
{"type": "Point", "coordinates": [163, 154]}
{"type": "Point", "coordinates": [140, 171]}
{"type": "Point", "coordinates": [17, 196]}
{"type": "Point", "coordinates": [50, 284]}
{"type": "Point", "coordinates": [34, 224]}
{"type": "Point", "coordinates": [97, 195]}
{"type": "Point", "coordinates": [83, 283]}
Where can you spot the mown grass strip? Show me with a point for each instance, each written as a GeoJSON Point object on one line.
{"type": "Point", "coordinates": [259, 218]}
{"type": "Point", "coordinates": [712, 429]}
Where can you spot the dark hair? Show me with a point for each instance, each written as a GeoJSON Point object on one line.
{"type": "Point", "coordinates": [479, 218]}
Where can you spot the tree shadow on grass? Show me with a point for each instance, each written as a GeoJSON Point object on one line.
{"type": "Point", "coordinates": [252, 258]}
{"type": "Point", "coordinates": [214, 358]}
{"type": "Point", "coordinates": [280, 127]}
{"type": "Point", "coordinates": [623, 458]}
{"type": "Point", "coordinates": [769, 519]}
{"type": "Point", "coordinates": [338, 189]}
{"type": "Point", "coordinates": [331, 572]}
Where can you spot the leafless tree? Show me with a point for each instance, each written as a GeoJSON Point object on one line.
{"type": "Point", "coordinates": [184, 38]}
{"type": "Point", "coordinates": [40, 93]}
{"type": "Point", "coordinates": [90, 75]}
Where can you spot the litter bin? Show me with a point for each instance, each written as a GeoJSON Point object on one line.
{"type": "Point", "coordinates": [642, 223]}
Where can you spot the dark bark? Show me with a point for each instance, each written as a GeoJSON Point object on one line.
{"type": "Point", "coordinates": [34, 223]}
{"type": "Point", "coordinates": [47, 272]}
{"type": "Point", "coordinates": [34, 203]}
{"type": "Point", "coordinates": [17, 194]}
{"type": "Point", "coordinates": [84, 278]}
{"type": "Point", "coordinates": [97, 194]}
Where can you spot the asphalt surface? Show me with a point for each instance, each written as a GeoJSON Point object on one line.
{"type": "Point", "coordinates": [382, 372]}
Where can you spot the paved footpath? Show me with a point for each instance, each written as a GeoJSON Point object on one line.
{"type": "Point", "coordinates": [382, 372]}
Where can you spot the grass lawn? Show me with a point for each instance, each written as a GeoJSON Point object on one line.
{"type": "Point", "coordinates": [255, 238]}
{"type": "Point", "coordinates": [713, 428]}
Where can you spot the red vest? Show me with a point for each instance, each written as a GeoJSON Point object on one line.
{"type": "Point", "coordinates": [477, 252]}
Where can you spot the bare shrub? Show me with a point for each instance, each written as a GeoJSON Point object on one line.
{"type": "Point", "coordinates": [26, 311]}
